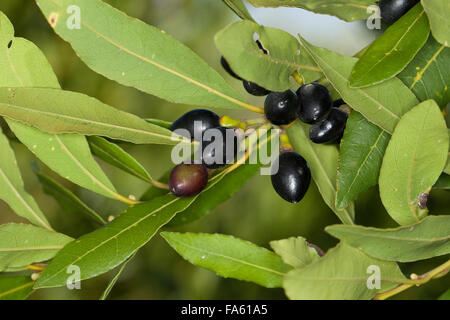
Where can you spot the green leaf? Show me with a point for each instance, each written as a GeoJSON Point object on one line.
{"type": "Point", "coordinates": [295, 251]}
{"type": "Point", "coordinates": [52, 111]}
{"type": "Point", "coordinates": [116, 156]}
{"type": "Point", "coordinates": [445, 295]}
{"type": "Point", "coordinates": [23, 244]}
{"type": "Point", "coordinates": [210, 199]}
{"type": "Point", "coordinates": [161, 123]}
{"type": "Point", "coordinates": [426, 239]}
{"type": "Point", "coordinates": [383, 104]}
{"type": "Point", "coordinates": [15, 287]}
{"type": "Point", "coordinates": [438, 12]}
{"type": "Point", "coordinates": [239, 8]}
{"type": "Point", "coordinates": [230, 257]}
{"type": "Point", "coordinates": [347, 10]}
{"type": "Point", "coordinates": [342, 274]}
{"type": "Point", "coordinates": [428, 75]}
{"type": "Point", "coordinates": [113, 281]}
{"type": "Point", "coordinates": [323, 160]}
{"type": "Point", "coordinates": [414, 160]}
{"type": "Point", "coordinates": [443, 182]}
{"type": "Point", "coordinates": [393, 50]}
{"type": "Point", "coordinates": [270, 68]}
{"type": "Point", "coordinates": [67, 200]}
{"type": "Point", "coordinates": [117, 241]}
{"type": "Point", "coordinates": [145, 57]}
{"type": "Point", "coordinates": [23, 64]}
{"type": "Point", "coordinates": [361, 154]}
{"type": "Point", "coordinates": [12, 190]}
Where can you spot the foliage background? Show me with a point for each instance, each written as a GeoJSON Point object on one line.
{"type": "Point", "coordinates": [255, 213]}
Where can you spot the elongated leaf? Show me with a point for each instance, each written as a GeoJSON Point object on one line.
{"type": "Point", "coordinates": [116, 156]}
{"type": "Point", "coordinates": [426, 239]}
{"type": "Point", "coordinates": [443, 182]}
{"type": "Point", "coordinates": [445, 295]}
{"type": "Point", "coordinates": [348, 10]}
{"type": "Point", "coordinates": [393, 50]}
{"type": "Point", "coordinates": [67, 199]}
{"type": "Point", "coordinates": [117, 241]}
{"type": "Point", "coordinates": [383, 104]}
{"type": "Point", "coordinates": [113, 281]}
{"type": "Point", "coordinates": [230, 257]}
{"type": "Point", "coordinates": [239, 8]}
{"type": "Point", "coordinates": [52, 111]}
{"type": "Point", "coordinates": [270, 67]}
{"type": "Point", "coordinates": [161, 123]}
{"type": "Point", "coordinates": [428, 75]}
{"type": "Point", "coordinates": [438, 12]}
{"type": "Point", "coordinates": [362, 151]}
{"type": "Point", "coordinates": [23, 64]}
{"type": "Point", "coordinates": [15, 287]}
{"type": "Point", "coordinates": [414, 160]}
{"type": "Point", "coordinates": [323, 162]}
{"type": "Point", "coordinates": [144, 57]}
{"type": "Point", "coordinates": [22, 244]}
{"type": "Point", "coordinates": [343, 274]}
{"type": "Point", "coordinates": [12, 190]}
{"type": "Point", "coordinates": [295, 251]}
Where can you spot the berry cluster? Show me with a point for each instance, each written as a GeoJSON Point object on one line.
{"type": "Point", "coordinates": [311, 103]}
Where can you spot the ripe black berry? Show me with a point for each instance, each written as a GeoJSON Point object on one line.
{"type": "Point", "coordinates": [196, 122]}
{"type": "Point", "coordinates": [293, 177]}
{"type": "Point", "coordinates": [228, 69]}
{"type": "Point", "coordinates": [329, 129]}
{"type": "Point", "coordinates": [187, 180]}
{"type": "Point", "coordinates": [315, 102]}
{"type": "Point", "coordinates": [255, 89]}
{"type": "Point", "coordinates": [338, 102]}
{"type": "Point", "coordinates": [219, 147]}
{"type": "Point", "coordinates": [392, 10]}
{"type": "Point", "coordinates": [281, 107]}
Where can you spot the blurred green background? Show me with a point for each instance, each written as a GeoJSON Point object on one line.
{"type": "Point", "coordinates": [255, 213]}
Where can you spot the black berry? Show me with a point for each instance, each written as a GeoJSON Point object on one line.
{"type": "Point", "coordinates": [293, 177]}
{"type": "Point", "coordinates": [281, 107]}
{"type": "Point", "coordinates": [219, 147]}
{"type": "Point", "coordinates": [255, 89]}
{"type": "Point", "coordinates": [329, 129]}
{"type": "Point", "coordinates": [228, 69]}
{"type": "Point", "coordinates": [315, 102]}
{"type": "Point", "coordinates": [392, 10]}
{"type": "Point", "coordinates": [338, 102]}
{"type": "Point", "coordinates": [196, 122]}
{"type": "Point", "coordinates": [187, 180]}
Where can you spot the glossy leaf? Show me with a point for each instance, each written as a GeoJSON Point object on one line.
{"type": "Point", "coordinates": [414, 160]}
{"type": "Point", "coordinates": [230, 257]}
{"type": "Point", "coordinates": [239, 8]}
{"type": "Point", "coordinates": [23, 64]}
{"type": "Point", "coordinates": [426, 239]}
{"type": "Point", "coordinates": [113, 281]}
{"type": "Point", "coordinates": [23, 244]}
{"type": "Point", "coordinates": [12, 190]}
{"type": "Point", "coordinates": [322, 160]}
{"type": "Point", "coordinates": [67, 200]}
{"type": "Point", "coordinates": [342, 274]}
{"type": "Point", "coordinates": [348, 10]}
{"type": "Point", "coordinates": [52, 111]}
{"type": "Point", "coordinates": [15, 287]}
{"type": "Point", "coordinates": [144, 57]}
{"type": "Point", "coordinates": [383, 104]}
{"type": "Point", "coordinates": [117, 241]}
{"type": "Point", "coordinates": [116, 156]}
{"type": "Point", "coordinates": [428, 75]}
{"type": "Point", "coordinates": [361, 154]}
{"type": "Point", "coordinates": [393, 50]}
{"type": "Point", "coordinates": [438, 12]}
{"type": "Point", "coordinates": [270, 68]}
{"type": "Point", "coordinates": [295, 251]}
